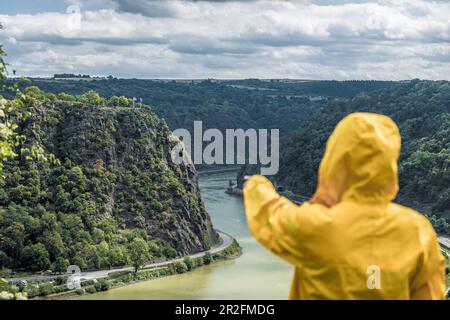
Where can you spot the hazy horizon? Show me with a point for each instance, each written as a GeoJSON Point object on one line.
{"type": "Point", "coordinates": [105, 77]}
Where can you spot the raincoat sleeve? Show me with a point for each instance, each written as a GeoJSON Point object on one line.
{"type": "Point", "coordinates": [429, 282]}
{"type": "Point", "coordinates": [274, 221]}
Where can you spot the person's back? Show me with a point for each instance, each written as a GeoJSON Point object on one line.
{"type": "Point", "coordinates": [350, 241]}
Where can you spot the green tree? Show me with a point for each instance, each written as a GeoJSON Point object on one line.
{"type": "Point", "coordinates": [60, 265]}
{"type": "Point", "coordinates": [91, 97]}
{"type": "Point", "coordinates": [189, 263]}
{"type": "Point", "coordinates": [5, 261]}
{"type": "Point", "coordinates": [8, 126]}
{"type": "Point", "coordinates": [155, 248]}
{"type": "Point", "coordinates": [11, 241]}
{"type": "Point", "coordinates": [53, 243]}
{"type": "Point", "coordinates": [46, 288]}
{"type": "Point", "coordinates": [180, 267]}
{"type": "Point", "coordinates": [103, 254]}
{"type": "Point", "coordinates": [35, 257]}
{"type": "Point", "coordinates": [117, 256]}
{"type": "Point", "coordinates": [170, 252]}
{"type": "Point", "coordinates": [207, 258]}
{"type": "Point", "coordinates": [2, 61]}
{"type": "Point", "coordinates": [81, 262]}
{"type": "Point", "coordinates": [11, 113]}
{"type": "Point", "coordinates": [139, 253]}
{"type": "Point", "coordinates": [102, 285]}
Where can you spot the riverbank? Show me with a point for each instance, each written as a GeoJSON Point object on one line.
{"type": "Point", "coordinates": [119, 279]}
{"type": "Point", "coordinates": [55, 286]}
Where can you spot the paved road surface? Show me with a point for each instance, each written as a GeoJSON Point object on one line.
{"type": "Point", "coordinates": [227, 241]}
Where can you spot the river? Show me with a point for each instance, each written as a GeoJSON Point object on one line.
{"type": "Point", "coordinates": [257, 274]}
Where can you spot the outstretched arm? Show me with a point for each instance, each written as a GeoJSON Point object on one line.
{"type": "Point", "coordinates": [275, 222]}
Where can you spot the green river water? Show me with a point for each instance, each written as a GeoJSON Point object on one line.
{"type": "Point", "coordinates": [257, 274]}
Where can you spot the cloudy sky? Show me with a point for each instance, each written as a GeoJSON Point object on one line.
{"type": "Point", "coordinates": [314, 39]}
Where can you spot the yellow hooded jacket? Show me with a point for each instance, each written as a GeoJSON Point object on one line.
{"type": "Point", "coordinates": [350, 241]}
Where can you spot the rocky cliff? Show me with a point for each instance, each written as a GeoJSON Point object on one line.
{"type": "Point", "coordinates": [105, 177]}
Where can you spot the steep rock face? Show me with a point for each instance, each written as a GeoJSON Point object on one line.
{"type": "Point", "coordinates": [133, 140]}
{"type": "Point", "coordinates": [113, 173]}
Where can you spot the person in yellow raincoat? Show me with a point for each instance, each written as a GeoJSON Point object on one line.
{"type": "Point", "coordinates": [350, 241]}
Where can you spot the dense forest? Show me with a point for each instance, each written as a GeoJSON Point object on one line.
{"type": "Point", "coordinates": [422, 111]}
{"type": "Point", "coordinates": [222, 104]}
{"type": "Point", "coordinates": [324, 88]}
{"type": "Point", "coordinates": [92, 179]}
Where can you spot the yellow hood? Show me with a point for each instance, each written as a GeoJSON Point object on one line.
{"type": "Point", "coordinates": [360, 161]}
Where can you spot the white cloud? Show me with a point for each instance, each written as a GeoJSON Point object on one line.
{"type": "Point", "coordinates": [234, 39]}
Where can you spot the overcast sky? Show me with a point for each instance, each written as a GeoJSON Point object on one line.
{"type": "Point", "coordinates": [322, 39]}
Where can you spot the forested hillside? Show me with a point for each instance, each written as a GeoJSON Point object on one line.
{"type": "Point", "coordinates": [222, 104]}
{"type": "Point", "coordinates": [422, 111]}
{"type": "Point", "coordinates": [325, 88]}
{"type": "Point", "coordinates": [104, 181]}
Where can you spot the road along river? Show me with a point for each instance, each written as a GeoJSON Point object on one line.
{"type": "Point", "coordinates": [226, 241]}
{"type": "Point", "coordinates": [257, 274]}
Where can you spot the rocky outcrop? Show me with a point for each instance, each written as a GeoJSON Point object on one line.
{"type": "Point", "coordinates": [113, 167]}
